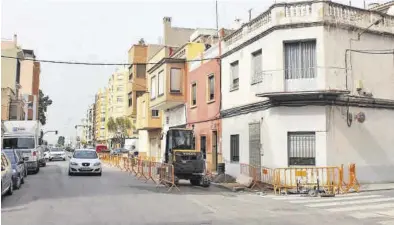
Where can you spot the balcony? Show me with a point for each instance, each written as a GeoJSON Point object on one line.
{"type": "Point", "coordinates": [327, 12]}
{"type": "Point", "coordinates": [300, 81]}
{"type": "Point", "coordinates": [167, 84]}
{"type": "Point", "coordinates": [147, 119]}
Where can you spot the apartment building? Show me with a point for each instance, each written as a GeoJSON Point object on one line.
{"type": "Point", "coordinates": [203, 99]}
{"type": "Point", "coordinates": [300, 88]}
{"type": "Point", "coordinates": [30, 83]}
{"type": "Point", "coordinates": [101, 116]}
{"type": "Point", "coordinates": [117, 96]}
{"type": "Point", "coordinates": [12, 102]}
{"type": "Point", "coordinates": [88, 123]}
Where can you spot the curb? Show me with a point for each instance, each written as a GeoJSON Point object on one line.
{"type": "Point", "coordinates": [373, 190]}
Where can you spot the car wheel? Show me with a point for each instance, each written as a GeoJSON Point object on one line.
{"type": "Point", "coordinates": [64, 159]}
{"type": "Point", "coordinates": [18, 183]}
{"type": "Point", "coordinates": [38, 169]}
{"type": "Point", "coordinates": [44, 164]}
{"type": "Point", "coordinates": [69, 172]}
{"type": "Point", "coordinates": [11, 188]}
{"type": "Point", "coordinates": [22, 180]}
{"type": "Point", "coordinates": [50, 159]}
{"type": "Point", "coordinates": [99, 174]}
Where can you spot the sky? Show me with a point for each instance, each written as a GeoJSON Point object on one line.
{"type": "Point", "coordinates": [102, 31]}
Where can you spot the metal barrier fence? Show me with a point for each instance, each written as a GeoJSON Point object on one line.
{"type": "Point", "coordinates": [143, 168]}
{"type": "Point", "coordinates": [327, 179]}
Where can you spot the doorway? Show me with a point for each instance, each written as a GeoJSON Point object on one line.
{"type": "Point", "coordinates": [214, 150]}
{"type": "Point", "coordinates": [203, 146]}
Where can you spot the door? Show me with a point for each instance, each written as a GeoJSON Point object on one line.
{"type": "Point", "coordinates": [203, 146]}
{"type": "Point", "coordinates": [214, 150]}
{"type": "Point", "coordinates": [254, 145]}
{"type": "Point", "coordinates": [153, 147]}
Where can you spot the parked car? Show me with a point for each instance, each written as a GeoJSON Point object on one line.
{"type": "Point", "coordinates": [18, 167]}
{"type": "Point", "coordinates": [7, 185]}
{"type": "Point", "coordinates": [119, 151]}
{"type": "Point", "coordinates": [57, 154]}
{"type": "Point", "coordinates": [101, 148]}
{"type": "Point", "coordinates": [84, 161]}
{"type": "Point", "coordinates": [42, 161]}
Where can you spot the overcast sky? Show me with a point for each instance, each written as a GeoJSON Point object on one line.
{"type": "Point", "coordinates": [101, 31]}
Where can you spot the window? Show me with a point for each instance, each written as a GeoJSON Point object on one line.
{"type": "Point", "coordinates": [300, 60]}
{"type": "Point", "coordinates": [119, 88]}
{"type": "Point", "coordinates": [153, 87]}
{"type": "Point", "coordinates": [193, 100]}
{"type": "Point", "coordinates": [102, 119]}
{"type": "Point", "coordinates": [143, 109]}
{"type": "Point", "coordinates": [234, 148]}
{"type": "Point", "coordinates": [130, 98]}
{"type": "Point", "coordinates": [161, 82]}
{"type": "Point", "coordinates": [119, 99]}
{"type": "Point", "coordinates": [141, 70]}
{"type": "Point", "coordinates": [257, 67]}
{"type": "Point", "coordinates": [234, 75]}
{"type": "Point", "coordinates": [140, 93]}
{"type": "Point", "coordinates": [301, 148]}
{"type": "Point", "coordinates": [175, 80]}
{"type": "Point", "coordinates": [211, 87]}
{"type": "Point", "coordinates": [155, 113]}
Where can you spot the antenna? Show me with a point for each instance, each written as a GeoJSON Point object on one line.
{"type": "Point", "coordinates": [250, 14]}
{"type": "Point", "coordinates": [217, 16]}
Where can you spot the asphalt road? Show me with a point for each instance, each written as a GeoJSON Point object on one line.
{"type": "Point", "coordinates": [52, 197]}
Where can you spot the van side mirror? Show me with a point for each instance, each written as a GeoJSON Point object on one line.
{"type": "Point", "coordinates": [25, 158]}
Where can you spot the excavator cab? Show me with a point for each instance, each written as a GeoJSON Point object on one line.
{"type": "Point", "coordinates": [189, 163]}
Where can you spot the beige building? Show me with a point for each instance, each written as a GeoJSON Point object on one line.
{"type": "Point", "coordinates": [117, 97]}
{"type": "Point", "coordinates": [11, 100]}
{"type": "Point", "coordinates": [101, 116]}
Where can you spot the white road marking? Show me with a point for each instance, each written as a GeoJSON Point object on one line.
{"type": "Point", "coordinates": [387, 222]}
{"type": "Point", "coordinates": [208, 207]}
{"type": "Point", "coordinates": [376, 214]}
{"type": "Point", "coordinates": [365, 201]}
{"type": "Point", "coordinates": [362, 207]}
{"type": "Point", "coordinates": [297, 197]}
{"type": "Point", "coordinates": [332, 199]}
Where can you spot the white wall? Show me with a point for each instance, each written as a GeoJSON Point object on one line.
{"type": "Point", "coordinates": [370, 144]}
{"type": "Point", "coordinates": [375, 71]}
{"type": "Point", "coordinates": [276, 123]}
{"type": "Point", "coordinates": [143, 141]}
{"type": "Point", "coordinates": [177, 116]}
{"type": "Point", "coordinates": [273, 65]}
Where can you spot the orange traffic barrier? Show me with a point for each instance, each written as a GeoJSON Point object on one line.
{"type": "Point", "coordinates": [145, 168]}
{"type": "Point", "coordinates": [327, 178]}
{"type": "Point", "coordinates": [166, 176]}
{"type": "Point", "coordinates": [352, 182]}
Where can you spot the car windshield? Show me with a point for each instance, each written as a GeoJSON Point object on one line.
{"type": "Point", "coordinates": [18, 143]}
{"type": "Point", "coordinates": [85, 155]}
{"type": "Point", "coordinates": [181, 139]}
{"type": "Point", "coordinates": [11, 156]}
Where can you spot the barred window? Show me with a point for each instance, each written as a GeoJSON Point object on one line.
{"type": "Point", "coordinates": [302, 148]}
{"type": "Point", "coordinates": [234, 148]}
{"type": "Point", "coordinates": [234, 75]}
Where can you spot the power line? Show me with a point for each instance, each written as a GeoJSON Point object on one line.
{"type": "Point", "coordinates": [100, 64]}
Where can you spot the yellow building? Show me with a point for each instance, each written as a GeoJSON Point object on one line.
{"type": "Point", "coordinates": [101, 116]}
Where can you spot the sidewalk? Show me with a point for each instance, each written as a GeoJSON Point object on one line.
{"type": "Point", "coordinates": [376, 187]}
{"type": "Point", "coordinates": [363, 187]}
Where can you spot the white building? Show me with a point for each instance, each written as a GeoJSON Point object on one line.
{"type": "Point", "coordinates": [288, 99]}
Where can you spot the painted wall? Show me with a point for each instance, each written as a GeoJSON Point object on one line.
{"type": "Point", "coordinates": [275, 123]}
{"type": "Point", "coordinates": [368, 144]}
{"type": "Point", "coordinates": [272, 65]}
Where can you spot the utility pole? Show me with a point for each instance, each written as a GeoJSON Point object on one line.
{"type": "Point", "coordinates": [217, 16]}
{"type": "Point", "coordinates": [250, 14]}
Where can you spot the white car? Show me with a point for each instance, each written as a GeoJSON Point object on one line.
{"type": "Point", "coordinates": [84, 161]}
{"type": "Point", "coordinates": [57, 153]}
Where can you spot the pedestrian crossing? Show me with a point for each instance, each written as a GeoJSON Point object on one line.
{"type": "Point", "coordinates": [364, 206]}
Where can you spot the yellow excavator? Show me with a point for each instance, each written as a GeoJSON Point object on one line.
{"type": "Point", "coordinates": [189, 163]}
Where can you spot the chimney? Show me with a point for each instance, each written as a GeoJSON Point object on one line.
{"type": "Point", "coordinates": [15, 39]}
{"type": "Point", "coordinates": [167, 30]}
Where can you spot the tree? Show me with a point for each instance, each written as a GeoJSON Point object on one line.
{"type": "Point", "coordinates": [119, 127]}
{"type": "Point", "coordinates": [43, 102]}
{"type": "Point", "coordinates": [60, 140]}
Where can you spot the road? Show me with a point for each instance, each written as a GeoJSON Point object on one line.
{"type": "Point", "coordinates": [52, 197]}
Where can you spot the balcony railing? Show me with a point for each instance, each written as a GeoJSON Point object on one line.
{"type": "Point", "coordinates": [301, 79]}
{"type": "Point", "coordinates": [309, 12]}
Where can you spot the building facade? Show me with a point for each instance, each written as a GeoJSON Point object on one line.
{"type": "Point", "coordinates": [101, 116]}
{"type": "Point", "coordinates": [299, 88]}
{"type": "Point", "coordinates": [30, 83]}
{"type": "Point", "coordinates": [12, 102]}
